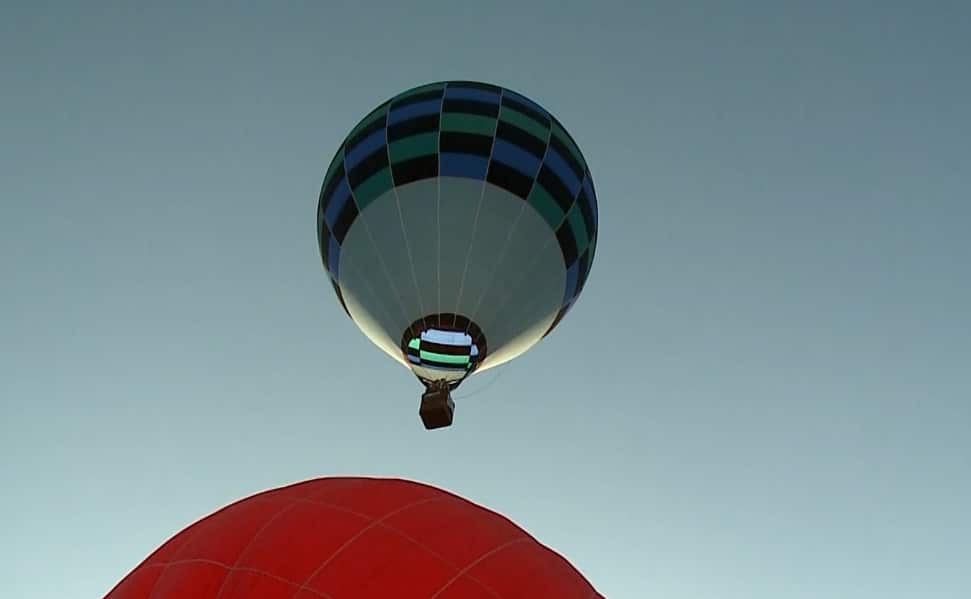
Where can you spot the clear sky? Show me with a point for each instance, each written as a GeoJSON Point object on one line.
{"type": "Point", "coordinates": [762, 392]}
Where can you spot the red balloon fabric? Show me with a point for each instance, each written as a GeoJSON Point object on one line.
{"type": "Point", "coordinates": [354, 538]}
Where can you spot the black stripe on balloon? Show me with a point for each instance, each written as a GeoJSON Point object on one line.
{"type": "Point", "coordinates": [524, 140]}
{"type": "Point", "coordinates": [548, 179]}
{"type": "Point", "coordinates": [415, 169]}
{"type": "Point", "coordinates": [363, 133]}
{"type": "Point", "coordinates": [330, 185]}
{"type": "Point", "coordinates": [583, 266]}
{"type": "Point", "coordinates": [344, 220]}
{"type": "Point", "coordinates": [465, 143]}
{"type": "Point", "coordinates": [567, 155]}
{"type": "Point", "coordinates": [568, 245]}
{"type": "Point", "coordinates": [447, 350]}
{"type": "Point", "coordinates": [586, 211]}
{"type": "Point", "coordinates": [527, 110]}
{"type": "Point", "coordinates": [443, 365]}
{"type": "Point", "coordinates": [509, 179]}
{"type": "Point", "coordinates": [340, 297]}
{"type": "Point", "coordinates": [367, 167]}
{"type": "Point", "coordinates": [467, 106]}
{"type": "Point", "coordinates": [556, 321]}
{"type": "Point", "coordinates": [420, 124]}
{"type": "Point", "coordinates": [568, 137]}
{"type": "Point", "coordinates": [474, 85]}
{"type": "Point", "coordinates": [324, 241]}
{"type": "Point", "coordinates": [411, 351]}
{"type": "Point", "coordinates": [327, 189]}
{"type": "Point", "coordinates": [434, 94]}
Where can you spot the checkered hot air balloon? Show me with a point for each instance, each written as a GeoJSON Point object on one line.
{"type": "Point", "coordinates": [458, 224]}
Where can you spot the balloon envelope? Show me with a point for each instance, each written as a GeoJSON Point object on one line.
{"type": "Point", "coordinates": [354, 538]}
{"type": "Point", "coordinates": [458, 224]}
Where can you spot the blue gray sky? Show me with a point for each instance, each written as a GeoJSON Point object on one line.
{"type": "Point", "coordinates": [762, 392]}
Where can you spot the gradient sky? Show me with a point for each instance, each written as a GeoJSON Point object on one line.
{"type": "Point", "coordinates": [761, 394]}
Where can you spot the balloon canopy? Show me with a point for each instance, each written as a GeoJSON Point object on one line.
{"type": "Point", "coordinates": [458, 224]}
{"type": "Point", "coordinates": [354, 538]}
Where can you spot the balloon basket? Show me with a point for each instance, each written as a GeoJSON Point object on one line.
{"type": "Point", "coordinates": [437, 407]}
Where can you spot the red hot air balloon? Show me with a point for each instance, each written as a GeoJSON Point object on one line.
{"type": "Point", "coordinates": [354, 538]}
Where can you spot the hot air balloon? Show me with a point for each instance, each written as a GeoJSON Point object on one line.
{"type": "Point", "coordinates": [354, 538]}
{"type": "Point", "coordinates": [458, 225]}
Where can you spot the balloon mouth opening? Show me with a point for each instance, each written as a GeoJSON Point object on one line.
{"type": "Point", "coordinates": [443, 346]}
